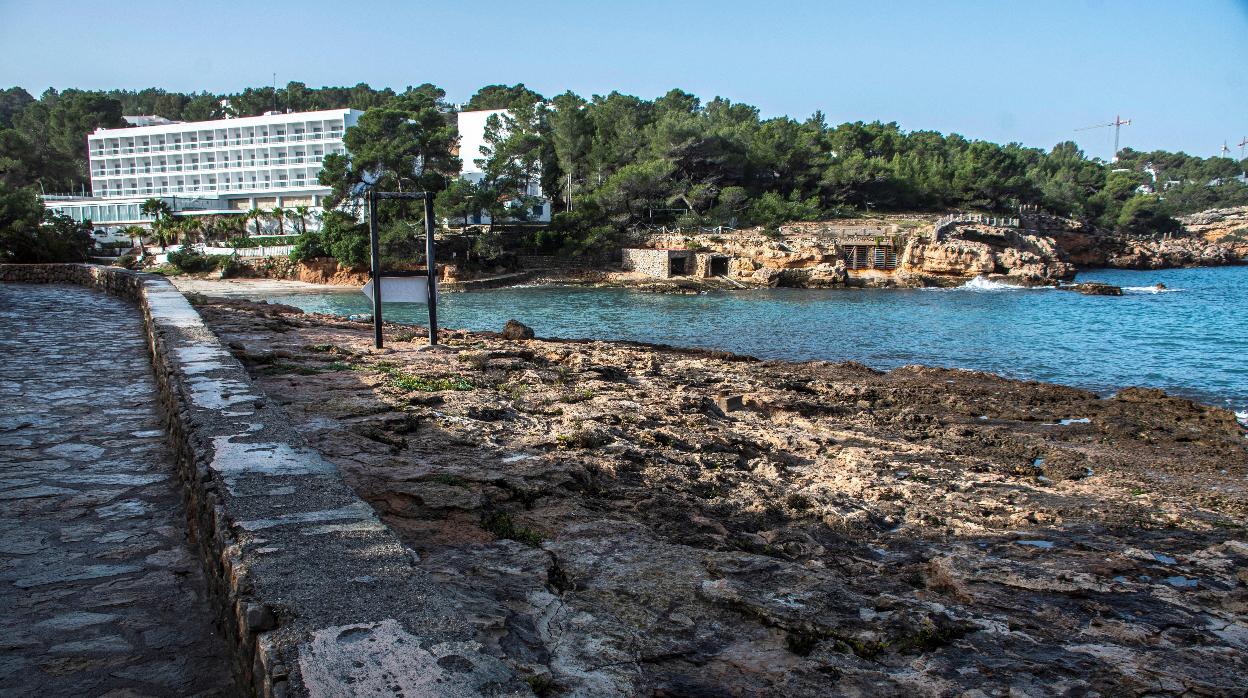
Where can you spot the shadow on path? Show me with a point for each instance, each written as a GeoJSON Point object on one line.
{"type": "Point", "coordinates": [99, 591]}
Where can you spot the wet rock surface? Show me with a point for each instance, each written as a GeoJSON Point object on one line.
{"type": "Point", "coordinates": [99, 592]}
{"type": "Point", "coordinates": [619, 519]}
{"type": "Point", "coordinates": [1093, 288]}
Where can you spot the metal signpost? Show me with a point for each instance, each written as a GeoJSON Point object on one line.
{"type": "Point", "coordinates": [401, 283]}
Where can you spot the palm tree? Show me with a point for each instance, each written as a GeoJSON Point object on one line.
{"type": "Point", "coordinates": [192, 230]}
{"type": "Point", "coordinates": [162, 230]}
{"type": "Point", "coordinates": [236, 225]}
{"type": "Point", "coordinates": [211, 227]}
{"type": "Point", "coordinates": [135, 233]}
{"type": "Point", "coordinates": [255, 215]}
{"type": "Point", "coordinates": [155, 208]}
{"type": "Point", "coordinates": [279, 215]}
{"type": "Point", "coordinates": [299, 218]}
{"type": "Point", "coordinates": [160, 212]}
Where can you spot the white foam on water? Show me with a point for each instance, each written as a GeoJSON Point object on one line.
{"type": "Point", "coordinates": [981, 284]}
{"type": "Point", "coordinates": [1149, 289]}
{"type": "Point", "coordinates": [1242, 417]}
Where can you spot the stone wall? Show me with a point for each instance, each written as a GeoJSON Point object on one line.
{"type": "Point", "coordinates": [554, 261]}
{"type": "Point", "coordinates": [649, 262]}
{"type": "Point", "coordinates": [314, 593]}
{"type": "Point", "coordinates": [658, 263]}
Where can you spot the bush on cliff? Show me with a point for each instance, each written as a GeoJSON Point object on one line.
{"type": "Point", "coordinates": [1142, 215]}
{"type": "Point", "coordinates": [585, 231]}
{"type": "Point", "coordinates": [340, 237]}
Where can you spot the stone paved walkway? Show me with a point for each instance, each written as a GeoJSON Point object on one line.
{"type": "Point", "coordinates": [99, 592]}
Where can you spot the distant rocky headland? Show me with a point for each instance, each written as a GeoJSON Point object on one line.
{"type": "Point", "coordinates": [1029, 249]}
{"type": "Point", "coordinates": [625, 519]}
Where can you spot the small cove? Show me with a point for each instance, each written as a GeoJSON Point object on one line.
{"type": "Point", "coordinates": [1190, 339]}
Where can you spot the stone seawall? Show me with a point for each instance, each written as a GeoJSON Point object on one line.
{"type": "Point", "coordinates": [316, 596]}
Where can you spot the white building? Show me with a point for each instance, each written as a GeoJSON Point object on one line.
{"type": "Point", "coordinates": [148, 120]}
{"type": "Point", "coordinates": [208, 167]}
{"type": "Point", "coordinates": [471, 125]}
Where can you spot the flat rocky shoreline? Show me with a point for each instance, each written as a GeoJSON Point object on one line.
{"type": "Point", "coordinates": [624, 519]}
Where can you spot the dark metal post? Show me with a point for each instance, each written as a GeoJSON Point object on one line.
{"type": "Point", "coordinates": [375, 271]}
{"type": "Point", "coordinates": [431, 271]}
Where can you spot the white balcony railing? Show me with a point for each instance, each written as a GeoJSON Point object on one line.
{"type": "Point", "coordinates": [211, 166]}
{"type": "Point", "coordinates": [214, 144]}
{"type": "Point", "coordinates": [212, 188]}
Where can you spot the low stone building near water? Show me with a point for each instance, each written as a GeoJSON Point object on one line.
{"type": "Point", "coordinates": [667, 263]}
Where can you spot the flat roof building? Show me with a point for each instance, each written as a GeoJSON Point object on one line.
{"type": "Point", "coordinates": [471, 127]}
{"type": "Point", "coordinates": [222, 166]}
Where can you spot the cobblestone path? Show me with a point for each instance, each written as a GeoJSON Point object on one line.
{"type": "Point", "coordinates": [99, 592]}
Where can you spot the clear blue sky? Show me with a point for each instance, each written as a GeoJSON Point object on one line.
{"type": "Point", "coordinates": [1004, 71]}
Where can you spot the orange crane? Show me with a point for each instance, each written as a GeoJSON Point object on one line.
{"type": "Point", "coordinates": [1117, 123]}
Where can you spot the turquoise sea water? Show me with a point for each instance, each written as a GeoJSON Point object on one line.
{"type": "Point", "coordinates": [1191, 339]}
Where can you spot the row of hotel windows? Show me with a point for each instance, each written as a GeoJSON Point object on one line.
{"type": "Point", "coordinates": [105, 213]}
{"type": "Point", "coordinates": [130, 144]}
{"type": "Point", "coordinates": [296, 158]}
{"type": "Point", "coordinates": [153, 188]}
{"type": "Point", "coordinates": [297, 174]}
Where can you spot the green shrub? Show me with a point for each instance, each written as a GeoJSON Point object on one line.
{"type": "Point", "coordinates": [231, 267]}
{"type": "Point", "coordinates": [502, 525]}
{"type": "Point", "coordinates": [190, 261]}
{"type": "Point", "coordinates": [771, 209]}
{"type": "Point", "coordinates": [129, 260]}
{"type": "Point", "coordinates": [30, 233]}
{"type": "Point", "coordinates": [340, 237]}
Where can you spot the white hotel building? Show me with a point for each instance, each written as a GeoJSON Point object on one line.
{"type": "Point", "coordinates": [230, 166]}
{"type": "Point", "coordinates": [471, 125]}
{"type": "Point", "coordinates": [208, 167]}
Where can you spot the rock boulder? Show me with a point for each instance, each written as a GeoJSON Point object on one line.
{"type": "Point", "coordinates": [516, 330]}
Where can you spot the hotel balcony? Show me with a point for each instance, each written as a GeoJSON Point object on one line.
{"type": "Point", "coordinates": [211, 166]}
{"type": "Point", "coordinates": [97, 152]}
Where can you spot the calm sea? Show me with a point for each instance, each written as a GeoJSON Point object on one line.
{"type": "Point", "coordinates": [1191, 339]}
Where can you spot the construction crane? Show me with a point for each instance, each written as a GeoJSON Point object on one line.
{"type": "Point", "coordinates": [1226, 152]}
{"type": "Point", "coordinates": [1117, 123]}
{"type": "Point", "coordinates": [1241, 147]}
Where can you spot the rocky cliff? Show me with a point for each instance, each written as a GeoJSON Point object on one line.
{"type": "Point", "coordinates": [1227, 227]}
{"type": "Point", "coordinates": [1122, 252]}
{"type": "Point", "coordinates": [1039, 250]}
{"type": "Point", "coordinates": [1018, 256]}
{"type": "Point", "coordinates": [806, 256]}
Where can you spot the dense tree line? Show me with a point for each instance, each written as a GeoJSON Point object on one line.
{"type": "Point", "coordinates": [613, 161]}
{"type": "Point", "coordinates": [616, 160]}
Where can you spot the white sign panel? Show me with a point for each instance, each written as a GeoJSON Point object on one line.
{"type": "Point", "coordinates": [400, 289]}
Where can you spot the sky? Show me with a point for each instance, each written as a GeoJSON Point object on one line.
{"type": "Point", "coordinates": [1006, 71]}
